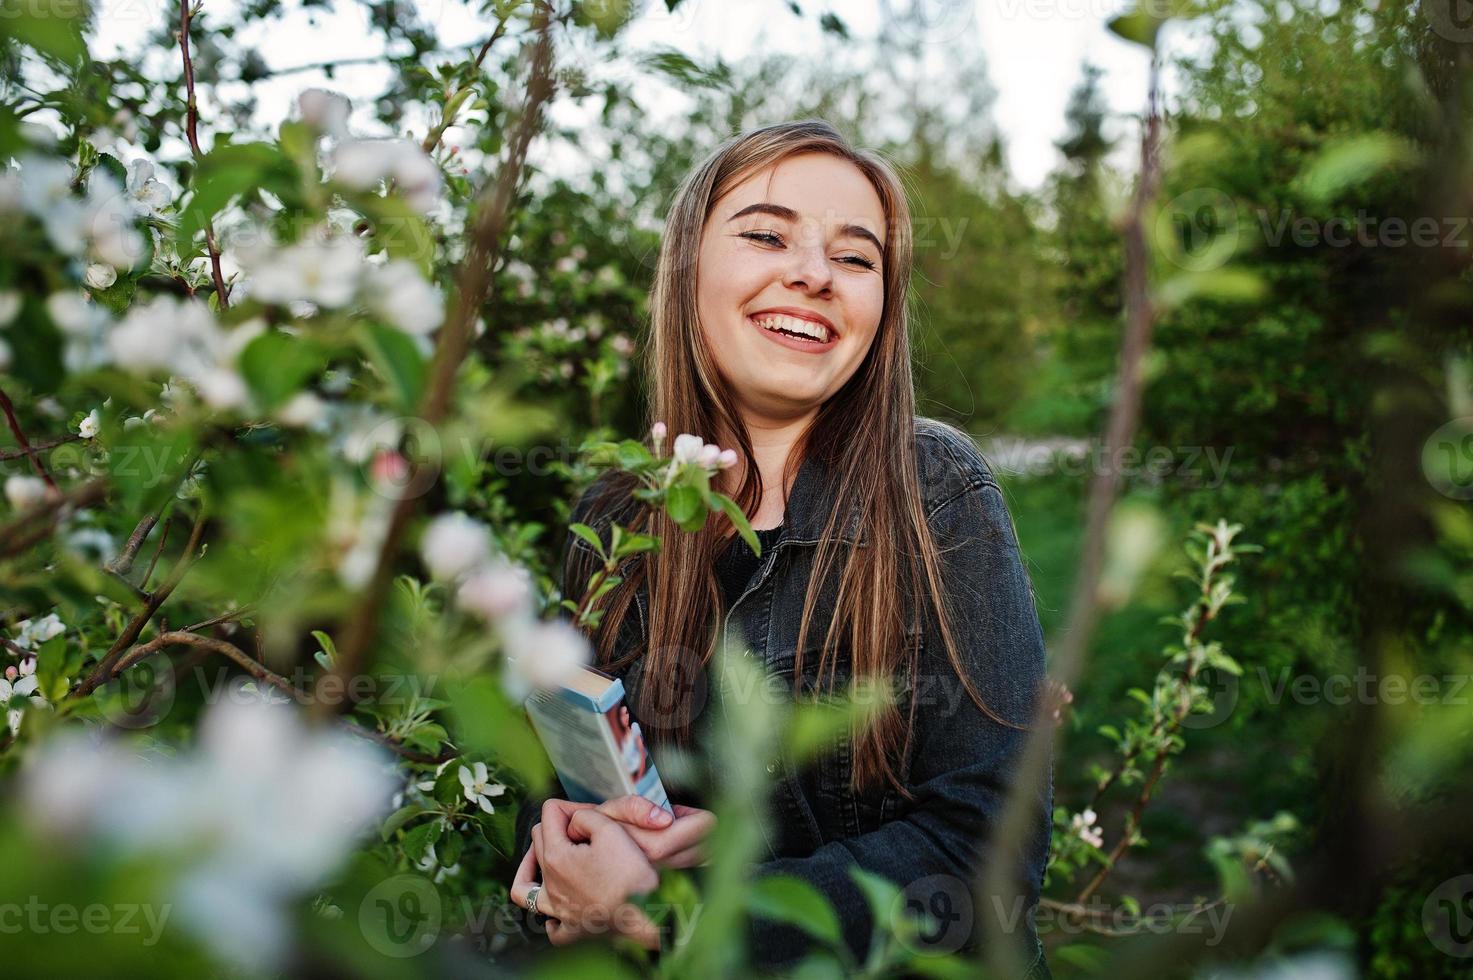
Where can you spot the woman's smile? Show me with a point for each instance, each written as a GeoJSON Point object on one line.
{"type": "Point", "coordinates": [797, 330]}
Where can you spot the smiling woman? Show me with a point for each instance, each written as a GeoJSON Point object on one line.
{"type": "Point", "coordinates": [779, 326]}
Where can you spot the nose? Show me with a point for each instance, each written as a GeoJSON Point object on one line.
{"type": "Point", "coordinates": [809, 270]}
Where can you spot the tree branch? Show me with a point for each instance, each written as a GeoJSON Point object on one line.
{"type": "Point", "coordinates": [490, 215]}
{"type": "Point", "coordinates": [8, 454]}
{"type": "Point", "coordinates": [26, 448]}
{"type": "Point", "coordinates": [191, 130]}
{"type": "Point", "coordinates": [997, 878]}
{"type": "Point", "coordinates": [135, 626]}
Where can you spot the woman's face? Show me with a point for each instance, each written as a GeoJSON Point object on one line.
{"type": "Point", "coordinates": [790, 282]}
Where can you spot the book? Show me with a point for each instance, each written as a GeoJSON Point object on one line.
{"type": "Point", "coordinates": [594, 743]}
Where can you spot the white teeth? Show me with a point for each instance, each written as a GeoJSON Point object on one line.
{"type": "Point", "coordinates": [792, 324]}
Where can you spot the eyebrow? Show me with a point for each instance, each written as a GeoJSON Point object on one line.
{"type": "Point", "coordinates": [788, 214]}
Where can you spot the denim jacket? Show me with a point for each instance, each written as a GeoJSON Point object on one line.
{"type": "Point", "coordinates": [958, 762]}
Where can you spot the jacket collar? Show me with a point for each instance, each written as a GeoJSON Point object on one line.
{"type": "Point", "coordinates": [810, 501]}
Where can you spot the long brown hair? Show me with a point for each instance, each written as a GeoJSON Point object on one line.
{"type": "Point", "coordinates": [865, 440]}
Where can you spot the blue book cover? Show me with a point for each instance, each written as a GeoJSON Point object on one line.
{"type": "Point", "coordinates": [594, 743]}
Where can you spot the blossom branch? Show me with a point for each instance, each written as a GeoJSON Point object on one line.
{"type": "Point", "coordinates": [484, 242]}
{"type": "Point", "coordinates": [452, 104]}
{"type": "Point", "coordinates": [135, 626]}
{"type": "Point", "coordinates": [265, 675]}
{"type": "Point", "coordinates": [36, 447]}
{"type": "Point", "coordinates": [191, 129]}
{"type": "Point", "coordinates": [37, 523]}
{"type": "Point", "coordinates": [26, 449]}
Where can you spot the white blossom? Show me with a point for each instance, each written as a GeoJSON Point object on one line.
{"type": "Point", "coordinates": [145, 194]}
{"type": "Point", "coordinates": [33, 633]}
{"type": "Point", "coordinates": [478, 789]}
{"type": "Point", "coordinates": [168, 332]}
{"type": "Point", "coordinates": [10, 303]}
{"type": "Point", "coordinates": [326, 112]}
{"type": "Point", "coordinates": [322, 272]}
{"type": "Point", "coordinates": [304, 410]}
{"type": "Point", "coordinates": [24, 492]}
{"type": "Point", "coordinates": [397, 292]}
{"type": "Point", "coordinates": [260, 812]}
{"type": "Point", "coordinates": [496, 589]}
{"type": "Point", "coordinates": [454, 544]}
{"type": "Point", "coordinates": [362, 164]}
{"type": "Point", "coordinates": [541, 654]}
{"type": "Point", "coordinates": [100, 275]}
{"type": "Point", "coordinates": [688, 448]}
{"type": "Point", "coordinates": [89, 426]}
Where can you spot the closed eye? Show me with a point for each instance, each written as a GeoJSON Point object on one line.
{"type": "Point", "coordinates": [772, 238]}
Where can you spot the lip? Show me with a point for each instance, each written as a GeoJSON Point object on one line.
{"type": "Point", "coordinates": [793, 343]}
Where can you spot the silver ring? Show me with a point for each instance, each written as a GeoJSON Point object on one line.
{"type": "Point", "coordinates": [532, 898]}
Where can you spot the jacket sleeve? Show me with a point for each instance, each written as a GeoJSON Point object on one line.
{"type": "Point", "coordinates": [962, 760]}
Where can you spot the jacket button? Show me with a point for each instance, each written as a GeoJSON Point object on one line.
{"type": "Point", "coordinates": [771, 768]}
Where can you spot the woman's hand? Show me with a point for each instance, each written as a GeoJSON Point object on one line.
{"type": "Point", "coordinates": [590, 867]}
{"type": "Point", "coordinates": [667, 842]}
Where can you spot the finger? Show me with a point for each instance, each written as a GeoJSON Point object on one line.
{"type": "Point", "coordinates": [687, 858]}
{"type": "Point", "coordinates": [525, 877]}
{"type": "Point", "coordinates": [554, 825]}
{"type": "Point", "coordinates": [637, 811]}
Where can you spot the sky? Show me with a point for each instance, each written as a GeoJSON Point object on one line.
{"type": "Point", "coordinates": [1035, 49]}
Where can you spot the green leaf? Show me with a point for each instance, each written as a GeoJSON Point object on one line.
{"type": "Point", "coordinates": [796, 902]}
{"type": "Point", "coordinates": [485, 722]}
{"type": "Point", "coordinates": [418, 841]}
{"type": "Point", "coordinates": [227, 171]}
{"type": "Point", "coordinates": [681, 68]}
{"type": "Point", "coordinates": [683, 504]}
{"type": "Point", "coordinates": [400, 817]}
{"type": "Point", "coordinates": [591, 536]}
{"type": "Point", "coordinates": [1348, 162]}
{"type": "Point", "coordinates": [1226, 285]}
{"type": "Point", "coordinates": [394, 355]}
{"type": "Point", "coordinates": [881, 893]}
{"type": "Point", "coordinates": [52, 29]}
{"type": "Point", "coordinates": [450, 850]}
{"type": "Point", "coordinates": [275, 366]}
{"type": "Point", "coordinates": [56, 662]}
{"type": "Point", "coordinates": [739, 520]}
{"type": "Point", "coordinates": [633, 455]}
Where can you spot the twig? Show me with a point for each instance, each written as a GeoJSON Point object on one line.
{"type": "Point", "coordinates": [191, 127]}
{"type": "Point", "coordinates": [452, 104]}
{"type": "Point", "coordinates": [123, 564]}
{"type": "Point", "coordinates": [153, 562]}
{"type": "Point", "coordinates": [8, 454]}
{"type": "Point", "coordinates": [997, 877]}
{"type": "Point", "coordinates": [20, 437]}
{"type": "Point", "coordinates": [484, 238]}
{"type": "Point", "coordinates": [135, 626]}
{"type": "Point", "coordinates": [265, 675]}
{"type": "Point", "coordinates": [20, 534]}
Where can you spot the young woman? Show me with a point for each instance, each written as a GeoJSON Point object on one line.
{"type": "Point", "coordinates": [779, 327]}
